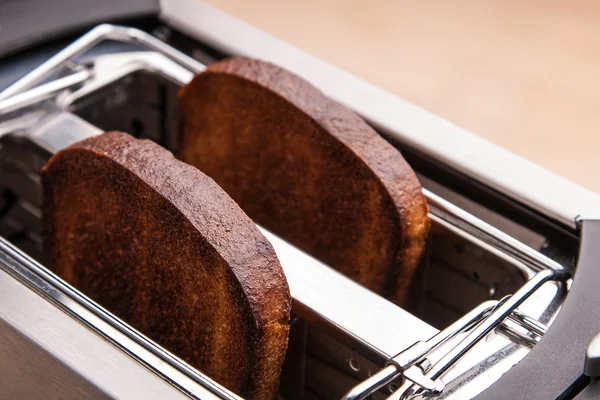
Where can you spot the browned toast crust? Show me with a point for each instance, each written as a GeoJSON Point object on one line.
{"type": "Point", "coordinates": [160, 245]}
{"type": "Point", "coordinates": [307, 168]}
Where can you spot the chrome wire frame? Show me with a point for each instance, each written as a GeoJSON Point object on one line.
{"type": "Point", "coordinates": [478, 323]}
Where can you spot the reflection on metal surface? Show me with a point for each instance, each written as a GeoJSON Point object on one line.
{"type": "Point", "coordinates": [477, 324]}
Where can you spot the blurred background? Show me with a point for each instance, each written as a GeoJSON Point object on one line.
{"type": "Point", "coordinates": [524, 74]}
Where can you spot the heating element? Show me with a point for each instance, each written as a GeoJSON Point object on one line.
{"type": "Point", "coordinates": [483, 299]}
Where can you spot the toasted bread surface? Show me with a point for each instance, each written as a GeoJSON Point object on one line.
{"type": "Point", "coordinates": [307, 168]}
{"type": "Point", "coordinates": [162, 246]}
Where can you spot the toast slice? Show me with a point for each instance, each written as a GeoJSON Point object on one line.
{"type": "Point", "coordinates": [162, 246]}
{"type": "Point", "coordinates": [307, 168]}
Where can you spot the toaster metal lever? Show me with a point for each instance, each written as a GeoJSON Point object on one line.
{"type": "Point", "coordinates": [592, 358]}
{"type": "Point", "coordinates": [478, 323]}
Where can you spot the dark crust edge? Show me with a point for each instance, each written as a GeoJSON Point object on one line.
{"type": "Point", "coordinates": [121, 148]}
{"type": "Point", "coordinates": [384, 161]}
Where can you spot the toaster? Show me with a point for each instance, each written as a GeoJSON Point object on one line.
{"type": "Point", "coordinates": [504, 302]}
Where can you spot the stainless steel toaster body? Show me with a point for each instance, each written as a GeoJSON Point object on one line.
{"type": "Point", "coordinates": [503, 263]}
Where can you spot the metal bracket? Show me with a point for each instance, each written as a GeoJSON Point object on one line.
{"type": "Point", "coordinates": [477, 324]}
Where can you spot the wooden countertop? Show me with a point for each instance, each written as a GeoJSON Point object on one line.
{"type": "Point", "coordinates": [523, 74]}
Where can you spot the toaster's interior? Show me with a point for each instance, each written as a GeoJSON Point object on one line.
{"type": "Point", "coordinates": [144, 104]}
{"type": "Point", "coordinates": [455, 276]}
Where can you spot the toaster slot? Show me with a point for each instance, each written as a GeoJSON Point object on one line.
{"type": "Point", "coordinates": [343, 334]}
